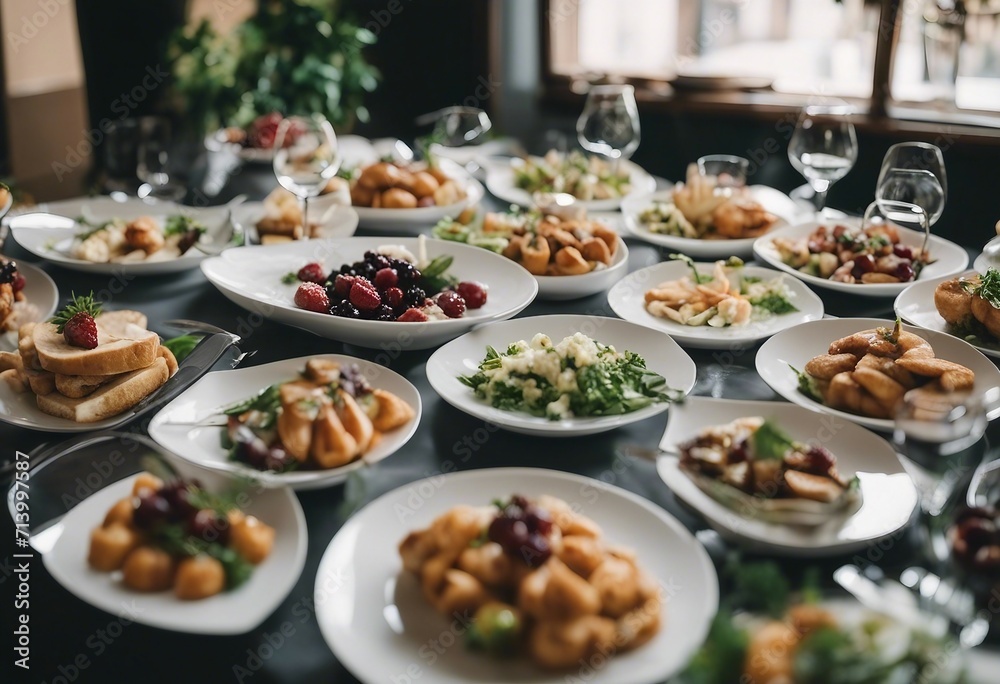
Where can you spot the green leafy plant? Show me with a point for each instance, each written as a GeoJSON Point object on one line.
{"type": "Point", "coordinates": [291, 56]}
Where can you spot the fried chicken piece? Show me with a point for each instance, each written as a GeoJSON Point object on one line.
{"type": "Point", "coordinates": [886, 391]}
{"type": "Point", "coordinates": [952, 376]}
{"type": "Point", "coordinates": [825, 366]}
{"type": "Point", "coordinates": [144, 233]}
{"type": "Point", "coordinates": [864, 342]}
{"type": "Point", "coordinates": [889, 367]}
{"type": "Point", "coordinates": [847, 394]}
{"type": "Point", "coordinates": [736, 219]}
{"type": "Point", "coordinates": [987, 314]}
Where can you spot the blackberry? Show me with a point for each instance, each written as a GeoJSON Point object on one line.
{"type": "Point", "coordinates": [415, 297]}
{"type": "Point", "coordinates": [345, 309]}
{"type": "Point", "coordinates": [385, 313]}
{"type": "Point", "coordinates": [8, 271]}
{"type": "Point", "coordinates": [379, 262]}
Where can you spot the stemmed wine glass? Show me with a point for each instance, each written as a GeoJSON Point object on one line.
{"type": "Point", "coordinates": [823, 147]}
{"type": "Point", "coordinates": [609, 124]}
{"type": "Point", "coordinates": [152, 160]}
{"type": "Point", "coordinates": [914, 172]}
{"type": "Point", "coordinates": [937, 438]}
{"type": "Point", "coordinates": [306, 157]}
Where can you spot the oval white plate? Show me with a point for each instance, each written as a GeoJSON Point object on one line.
{"type": "Point", "coordinates": [378, 624]}
{"type": "Point", "coordinates": [798, 345]}
{"type": "Point", "coordinates": [52, 242]}
{"type": "Point", "coordinates": [888, 494]}
{"type": "Point", "coordinates": [915, 305]}
{"type": "Point", "coordinates": [463, 356]}
{"type": "Point", "coordinates": [411, 221]}
{"type": "Point", "coordinates": [177, 426]}
{"type": "Point", "coordinates": [40, 291]}
{"type": "Point", "coordinates": [774, 201]}
{"type": "Point", "coordinates": [340, 220]}
{"type": "Point", "coordinates": [562, 288]}
{"type": "Point", "coordinates": [251, 277]}
{"type": "Point", "coordinates": [627, 299]}
{"type": "Point", "coordinates": [949, 259]}
{"type": "Point", "coordinates": [232, 612]}
{"type": "Point", "coordinates": [500, 181]}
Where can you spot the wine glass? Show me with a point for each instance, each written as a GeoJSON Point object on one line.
{"type": "Point", "coordinates": [609, 124]}
{"type": "Point", "coordinates": [937, 438]}
{"type": "Point", "coordinates": [457, 126]}
{"type": "Point", "coordinates": [729, 171]}
{"type": "Point", "coordinates": [823, 147]}
{"type": "Point", "coordinates": [914, 172]}
{"type": "Point", "coordinates": [153, 158]}
{"type": "Point", "coordinates": [306, 157]}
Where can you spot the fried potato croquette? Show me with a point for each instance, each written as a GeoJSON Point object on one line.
{"type": "Point", "coordinates": [826, 366]}
{"type": "Point", "coordinates": [583, 598]}
{"type": "Point", "coordinates": [987, 314]}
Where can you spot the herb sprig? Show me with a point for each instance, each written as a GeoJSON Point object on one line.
{"type": "Point", "coordinates": [81, 304]}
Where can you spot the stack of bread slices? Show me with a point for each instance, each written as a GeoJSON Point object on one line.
{"type": "Point", "coordinates": [89, 385]}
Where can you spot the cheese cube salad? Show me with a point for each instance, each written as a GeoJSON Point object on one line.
{"type": "Point", "coordinates": [577, 377]}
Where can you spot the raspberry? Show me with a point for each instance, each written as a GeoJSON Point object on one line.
{"type": "Point", "coordinates": [81, 331]}
{"type": "Point", "coordinates": [312, 273]}
{"type": "Point", "coordinates": [365, 296]}
{"type": "Point", "coordinates": [18, 283]}
{"type": "Point", "coordinates": [386, 278]}
{"type": "Point", "coordinates": [394, 297]}
{"type": "Point", "coordinates": [412, 316]}
{"type": "Point", "coordinates": [342, 285]}
{"type": "Point", "coordinates": [312, 297]}
{"type": "Point", "coordinates": [451, 303]}
{"type": "Point", "coordinates": [473, 293]}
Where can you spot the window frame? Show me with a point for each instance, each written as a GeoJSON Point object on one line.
{"type": "Point", "coordinates": [878, 111]}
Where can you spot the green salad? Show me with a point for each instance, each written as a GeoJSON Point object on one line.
{"type": "Point", "coordinates": [577, 377]}
{"type": "Point", "coordinates": [586, 177]}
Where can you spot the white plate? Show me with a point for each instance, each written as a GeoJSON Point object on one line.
{"type": "Point", "coordinates": [251, 277]}
{"type": "Point", "coordinates": [774, 201]}
{"type": "Point", "coordinates": [40, 291]}
{"type": "Point", "coordinates": [378, 624]}
{"type": "Point", "coordinates": [411, 221]}
{"type": "Point", "coordinates": [915, 305]}
{"type": "Point", "coordinates": [233, 612]}
{"type": "Point", "coordinates": [354, 150]}
{"type": "Point", "coordinates": [341, 220]}
{"type": "Point", "coordinates": [949, 258]}
{"type": "Point", "coordinates": [176, 426]}
{"type": "Point", "coordinates": [800, 344]}
{"type": "Point", "coordinates": [500, 181]}
{"type": "Point", "coordinates": [52, 241]}
{"type": "Point", "coordinates": [627, 299]}
{"type": "Point", "coordinates": [888, 494]}
{"type": "Point", "coordinates": [463, 356]}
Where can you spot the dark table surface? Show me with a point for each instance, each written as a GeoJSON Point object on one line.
{"type": "Point", "coordinates": [66, 632]}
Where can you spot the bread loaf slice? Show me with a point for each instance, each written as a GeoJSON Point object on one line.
{"type": "Point", "coordinates": [123, 345]}
{"type": "Point", "coordinates": [76, 386]}
{"type": "Point", "coordinates": [119, 395]}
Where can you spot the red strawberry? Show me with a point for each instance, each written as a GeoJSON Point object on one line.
{"type": "Point", "coordinates": [312, 273]}
{"type": "Point", "coordinates": [342, 284]}
{"type": "Point", "coordinates": [81, 331]}
{"type": "Point", "coordinates": [312, 297]}
{"type": "Point", "coordinates": [412, 316]}
{"type": "Point", "coordinates": [386, 278]}
{"type": "Point", "coordinates": [394, 297]}
{"type": "Point", "coordinates": [364, 295]}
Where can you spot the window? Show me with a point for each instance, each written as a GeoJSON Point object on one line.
{"type": "Point", "coordinates": [796, 47]}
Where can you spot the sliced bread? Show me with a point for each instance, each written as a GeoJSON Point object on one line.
{"type": "Point", "coordinates": [76, 386]}
{"type": "Point", "coordinates": [123, 345]}
{"type": "Point", "coordinates": [109, 400]}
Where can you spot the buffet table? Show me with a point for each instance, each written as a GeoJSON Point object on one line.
{"type": "Point", "coordinates": [72, 640]}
